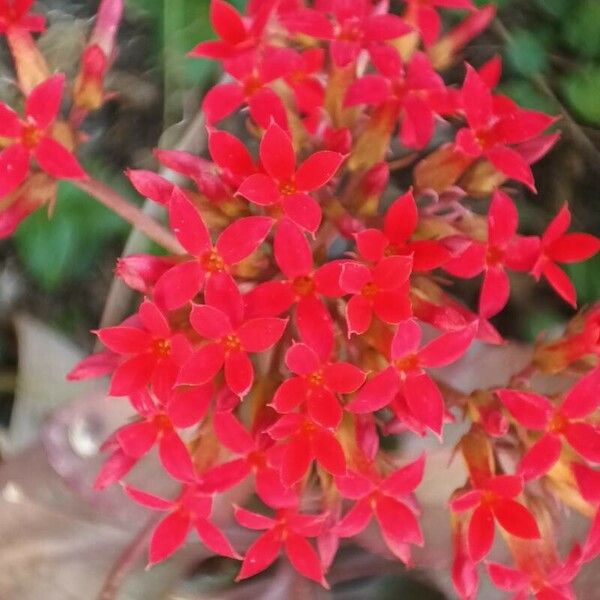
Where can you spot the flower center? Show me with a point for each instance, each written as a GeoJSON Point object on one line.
{"type": "Point", "coordinates": [288, 188]}
{"type": "Point", "coordinates": [304, 285]}
{"type": "Point", "coordinates": [212, 262]}
{"type": "Point", "coordinates": [232, 343]}
{"type": "Point", "coordinates": [494, 256]}
{"type": "Point", "coordinates": [407, 363]}
{"type": "Point", "coordinates": [315, 379]}
{"type": "Point", "coordinates": [31, 136]}
{"type": "Point", "coordinates": [370, 290]}
{"type": "Point", "coordinates": [252, 85]}
{"type": "Point", "coordinates": [558, 423]}
{"type": "Point", "coordinates": [161, 348]}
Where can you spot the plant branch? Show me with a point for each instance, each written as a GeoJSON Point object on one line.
{"type": "Point", "coordinates": [130, 213]}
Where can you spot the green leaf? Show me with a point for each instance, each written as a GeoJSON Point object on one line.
{"type": "Point", "coordinates": [65, 248]}
{"type": "Point", "coordinates": [526, 53]}
{"type": "Point", "coordinates": [582, 89]}
{"type": "Point", "coordinates": [555, 8]}
{"type": "Point", "coordinates": [582, 29]}
{"type": "Point", "coordinates": [527, 95]}
{"type": "Point", "coordinates": [586, 278]}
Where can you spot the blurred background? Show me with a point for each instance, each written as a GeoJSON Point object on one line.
{"type": "Point", "coordinates": [59, 273]}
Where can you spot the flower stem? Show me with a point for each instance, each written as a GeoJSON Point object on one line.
{"type": "Point", "coordinates": [130, 213]}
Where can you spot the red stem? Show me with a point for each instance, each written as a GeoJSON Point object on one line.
{"type": "Point", "coordinates": [130, 213]}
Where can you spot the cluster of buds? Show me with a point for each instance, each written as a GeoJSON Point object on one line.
{"type": "Point", "coordinates": [285, 343]}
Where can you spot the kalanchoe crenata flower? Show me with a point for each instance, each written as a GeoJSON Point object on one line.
{"type": "Point", "coordinates": [288, 530]}
{"type": "Point", "coordinates": [504, 248]}
{"type": "Point", "coordinates": [231, 337]}
{"type": "Point", "coordinates": [152, 351]}
{"type": "Point", "coordinates": [191, 510]}
{"type": "Point", "coordinates": [493, 502]}
{"type": "Point", "coordinates": [354, 26]}
{"type": "Point", "coordinates": [386, 500]}
{"type": "Point", "coordinates": [181, 283]}
{"type": "Point", "coordinates": [14, 14]}
{"type": "Point", "coordinates": [31, 137]}
{"type": "Point", "coordinates": [297, 325]}
{"type": "Point", "coordinates": [495, 125]}
{"type": "Point", "coordinates": [558, 246]}
{"type": "Point", "coordinates": [537, 413]}
{"type": "Point", "coordinates": [286, 186]}
{"type": "Point", "coordinates": [422, 14]}
{"type": "Point", "coordinates": [406, 373]}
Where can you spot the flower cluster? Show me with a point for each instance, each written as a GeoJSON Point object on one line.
{"type": "Point", "coordinates": [298, 328]}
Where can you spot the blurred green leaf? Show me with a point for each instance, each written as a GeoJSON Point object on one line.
{"type": "Point", "coordinates": [527, 95]}
{"type": "Point", "coordinates": [582, 89]}
{"type": "Point", "coordinates": [526, 53]}
{"type": "Point", "coordinates": [556, 8]}
{"type": "Point", "coordinates": [586, 277]}
{"type": "Point", "coordinates": [582, 28]}
{"type": "Point", "coordinates": [64, 248]}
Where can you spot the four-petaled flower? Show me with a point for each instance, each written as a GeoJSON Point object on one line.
{"type": "Point", "coordinates": [154, 352]}
{"type": "Point", "coordinates": [231, 337]}
{"type": "Point", "coordinates": [495, 124]}
{"type": "Point", "coordinates": [356, 26]}
{"type": "Point", "coordinates": [504, 248]}
{"type": "Point", "coordinates": [192, 509]}
{"type": "Point", "coordinates": [181, 283]}
{"type": "Point", "coordinates": [386, 499]}
{"type": "Point", "coordinates": [399, 225]}
{"type": "Point", "coordinates": [289, 529]}
{"type": "Point", "coordinates": [316, 384]}
{"type": "Point", "coordinates": [558, 246]}
{"type": "Point", "coordinates": [381, 289]}
{"type": "Point", "coordinates": [32, 137]}
{"type": "Point", "coordinates": [537, 413]}
{"type": "Point", "coordinates": [306, 441]}
{"type": "Point", "coordinates": [287, 186]}
{"type": "Point", "coordinates": [424, 16]}
{"type": "Point", "coordinates": [493, 500]}
{"type": "Point", "coordinates": [406, 373]}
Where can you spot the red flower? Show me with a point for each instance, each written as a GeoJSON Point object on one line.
{"type": "Point", "coordinates": [537, 413]}
{"type": "Point", "coordinates": [221, 320]}
{"type": "Point", "coordinates": [316, 384]}
{"type": "Point", "coordinates": [493, 501]}
{"type": "Point", "coordinates": [415, 93]}
{"type": "Point", "coordinates": [423, 14]}
{"type": "Point", "coordinates": [237, 241]}
{"type": "Point", "coordinates": [154, 353]}
{"type": "Point", "coordinates": [13, 15]}
{"type": "Point", "coordinates": [504, 248]}
{"type": "Point", "coordinates": [254, 459]}
{"type": "Point", "coordinates": [382, 289]}
{"type": "Point", "coordinates": [355, 27]}
{"type": "Point", "coordinates": [558, 246]}
{"type": "Point", "coordinates": [287, 186]}
{"type": "Point", "coordinates": [400, 223]}
{"type": "Point", "coordinates": [386, 500]}
{"type": "Point", "coordinates": [304, 286]}
{"type": "Point", "coordinates": [406, 374]}
{"type": "Point", "coordinates": [237, 35]}
{"type": "Point", "coordinates": [288, 529]}
{"type": "Point", "coordinates": [160, 416]}
{"type": "Point", "coordinates": [190, 509]}
{"type": "Point", "coordinates": [250, 87]}
{"type": "Point", "coordinates": [496, 123]}
{"type": "Point", "coordinates": [32, 137]}
{"type": "Point", "coordinates": [307, 441]}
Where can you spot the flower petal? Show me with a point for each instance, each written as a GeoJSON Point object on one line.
{"type": "Point", "coordinates": [242, 238]}
{"type": "Point", "coordinates": [304, 558]}
{"type": "Point", "coordinates": [481, 533]}
{"type": "Point", "coordinates": [261, 554]}
{"type": "Point", "coordinates": [277, 154]}
{"type": "Point", "coordinates": [169, 536]}
{"type": "Point", "coordinates": [304, 210]}
{"type": "Point", "coordinates": [258, 335]}
{"type": "Point", "coordinates": [213, 538]}
{"type": "Point", "coordinates": [210, 322]}
{"type": "Point", "coordinates": [179, 285]}
{"type": "Point", "coordinates": [57, 161]}
{"type": "Point", "coordinates": [376, 393]}
{"type": "Point", "coordinates": [317, 170]}
{"type": "Point", "coordinates": [188, 225]}
{"type": "Point", "coordinates": [43, 103]}
{"type": "Point", "coordinates": [202, 366]}
{"type": "Point", "coordinates": [292, 250]}
{"type": "Point", "coordinates": [239, 373]}
{"type": "Point", "coordinates": [260, 189]}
